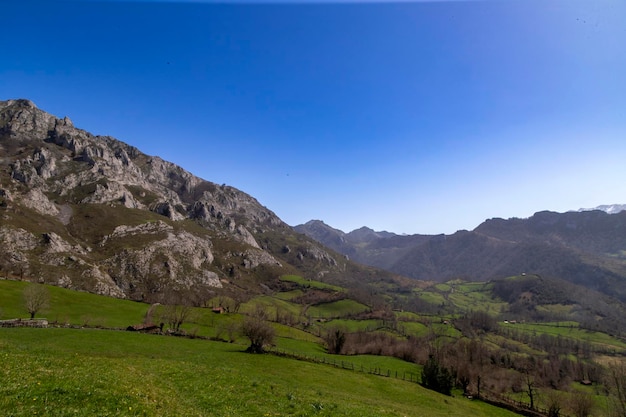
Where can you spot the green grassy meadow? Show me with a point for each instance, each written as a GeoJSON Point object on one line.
{"type": "Point", "coordinates": [84, 364]}
{"type": "Point", "coordinates": [61, 371]}
{"type": "Point", "coordinates": [72, 307]}
{"type": "Point", "coordinates": [86, 372]}
{"type": "Point", "coordinates": [306, 283]}
{"type": "Point", "coordinates": [337, 309]}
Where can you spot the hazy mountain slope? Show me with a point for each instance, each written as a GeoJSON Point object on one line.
{"type": "Point", "coordinates": [93, 213]}
{"type": "Point", "coordinates": [587, 248]}
{"type": "Point", "coordinates": [364, 245]}
{"type": "Point", "coordinates": [326, 235]}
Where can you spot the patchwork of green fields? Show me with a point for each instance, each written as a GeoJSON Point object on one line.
{"type": "Point", "coordinates": [86, 370]}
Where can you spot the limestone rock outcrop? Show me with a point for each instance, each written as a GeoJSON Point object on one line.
{"type": "Point", "coordinates": [94, 213]}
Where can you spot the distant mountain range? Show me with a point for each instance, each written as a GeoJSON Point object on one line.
{"type": "Point", "coordinates": [584, 247]}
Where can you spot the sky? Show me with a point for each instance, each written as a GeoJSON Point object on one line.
{"type": "Point", "coordinates": [412, 117]}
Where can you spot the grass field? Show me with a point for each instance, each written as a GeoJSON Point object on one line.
{"type": "Point", "coordinates": [570, 330]}
{"type": "Point", "coordinates": [306, 283]}
{"type": "Point", "coordinates": [337, 309]}
{"type": "Point", "coordinates": [62, 371]}
{"type": "Point", "coordinates": [72, 307]}
{"type": "Point", "coordinates": [86, 372]}
{"type": "Point", "coordinates": [69, 372]}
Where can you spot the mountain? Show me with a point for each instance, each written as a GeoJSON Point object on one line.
{"type": "Point", "coordinates": [365, 234]}
{"type": "Point", "coordinates": [96, 214]}
{"type": "Point", "coordinates": [586, 248]}
{"type": "Point", "coordinates": [607, 208]}
{"type": "Point", "coordinates": [363, 245]}
{"type": "Point", "coordinates": [323, 233]}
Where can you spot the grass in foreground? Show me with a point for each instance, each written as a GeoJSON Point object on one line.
{"type": "Point", "coordinates": [63, 372]}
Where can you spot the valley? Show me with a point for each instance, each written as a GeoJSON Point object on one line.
{"type": "Point", "coordinates": [382, 349]}
{"type": "Point", "coordinates": [517, 316]}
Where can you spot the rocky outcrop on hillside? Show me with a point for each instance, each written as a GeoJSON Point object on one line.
{"type": "Point", "coordinates": [116, 170]}
{"type": "Point", "coordinates": [94, 213]}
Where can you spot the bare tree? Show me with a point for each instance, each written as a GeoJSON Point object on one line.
{"type": "Point", "coordinates": [582, 404]}
{"type": "Point", "coordinates": [258, 331]}
{"type": "Point", "coordinates": [36, 298]}
{"type": "Point", "coordinates": [530, 386]}
{"type": "Point", "coordinates": [617, 386]}
{"type": "Point", "coordinates": [231, 329]}
{"type": "Point", "coordinates": [176, 315]}
{"type": "Point", "coordinates": [553, 402]}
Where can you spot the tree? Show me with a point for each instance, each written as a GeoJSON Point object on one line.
{"type": "Point", "coordinates": [553, 402]}
{"type": "Point", "coordinates": [617, 386]}
{"type": "Point", "coordinates": [463, 377]}
{"type": "Point", "coordinates": [582, 404]}
{"type": "Point", "coordinates": [531, 389]}
{"type": "Point", "coordinates": [335, 339]}
{"type": "Point", "coordinates": [258, 331]}
{"type": "Point", "coordinates": [36, 298]}
{"type": "Point", "coordinates": [176, 315]}
{"type": "Point", "coordinates": [437, 377]}
{"type": "Point", "coordinates": [177, 309]}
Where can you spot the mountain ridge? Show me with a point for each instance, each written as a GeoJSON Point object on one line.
{"type": "Point", "coordinates": [586, 248]}
{"type": "Point", "coordinates": [94, 213]}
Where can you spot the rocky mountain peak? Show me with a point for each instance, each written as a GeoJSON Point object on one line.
{"type": "Point", "coordinates": [111, 219]}
{"type": "Point", "coordinates": [116, 168]}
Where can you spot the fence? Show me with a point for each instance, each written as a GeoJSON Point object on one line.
{"type": "Point", "coordinates": [491, 398]}
{"type": "Point", "coordinates": [339, 363]}
{"type": "Point", "coordinates": [24, 323]}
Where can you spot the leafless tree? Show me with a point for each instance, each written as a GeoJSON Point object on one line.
{"type": "Point", "coordinates": [36, 298]}
{"type": "Point", "coordinates": [582, 404]}
{"type": "Point", "coordinates": [554, 402]}
{"type": "Point", "coordinates": [530, 386]}
{"type": "Point", "coordinates": [617, 385]}
{"type": "Point", "coordinates": [258, 330]}
{"type": "Point", "coordinates": [176, 315]}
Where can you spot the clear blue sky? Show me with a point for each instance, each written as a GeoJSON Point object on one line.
{"type": "Point", "coordinates": [412, 117]}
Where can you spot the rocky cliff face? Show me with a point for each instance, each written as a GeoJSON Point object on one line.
{"type": "Point", "coordinates": [94, 213]}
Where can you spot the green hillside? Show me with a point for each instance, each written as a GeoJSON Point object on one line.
{"type": "Point", "coordinates": [61, 372]}
{"type": "Point", "coordinates": [85, 372]}
{"type": "Point", "coordinates": [488, 346]}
